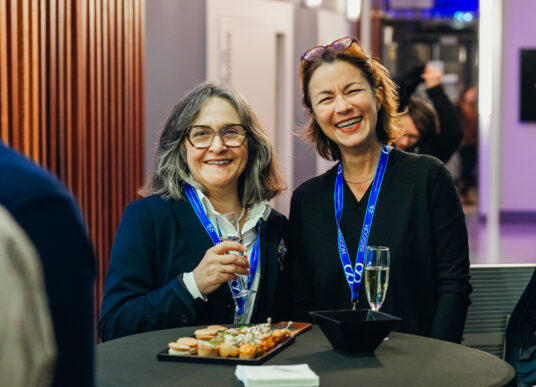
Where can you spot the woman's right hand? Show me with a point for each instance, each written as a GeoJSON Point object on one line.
{"type": "Point", "coordinates": [220, 264]}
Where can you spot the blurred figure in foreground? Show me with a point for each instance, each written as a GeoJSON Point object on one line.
{"type": "Point", "coordinates": [521, 337]}
{"type": "Point", "coordinates": [435, 131]}
{"type": "Point", "coordinates": [25, 319]}
{"type": "Point", "coordinates": [46, 211]}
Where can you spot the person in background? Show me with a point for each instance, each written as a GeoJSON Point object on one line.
{"type": "Point", "coordinates": [468, 149]}
{"type": "Point", "coordinates": [168, 267]}
{"type": "Point", "coordinates": [435, 131]}
{"type": "Point", "coordinates": [48, 214]}
{"type": "Point", "coordinates": [376, 195]}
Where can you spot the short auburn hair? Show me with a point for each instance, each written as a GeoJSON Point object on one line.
{"type": "Point", "coordinates": [380, 82]}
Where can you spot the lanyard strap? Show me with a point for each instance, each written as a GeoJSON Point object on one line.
{"type": "Point", "coordinates": [354, 276]}
{"type": "Point", "coordinates": [211, 231]}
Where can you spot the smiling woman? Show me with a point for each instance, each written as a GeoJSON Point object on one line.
{"type": "Point", "coordinates": [168, 264]}
{"type": "Point", "coordinates": [377, 196]}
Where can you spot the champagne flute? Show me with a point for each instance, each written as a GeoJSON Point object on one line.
{"type": "Point", "coordinates": [229, 230]}
{"type": "Point", "coordinates": [376, 275]}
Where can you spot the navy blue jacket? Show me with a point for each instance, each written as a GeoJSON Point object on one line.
{"type": "Point", "coordinates": [50, 217]}
{"type": "Point", "coordinates": [159, 239]}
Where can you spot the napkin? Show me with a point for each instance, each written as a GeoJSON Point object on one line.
{"type": "Point", "coordinates": [278, 375]}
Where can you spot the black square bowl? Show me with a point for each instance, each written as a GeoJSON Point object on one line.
{"type": "Point", "coordinates": [354, 331]}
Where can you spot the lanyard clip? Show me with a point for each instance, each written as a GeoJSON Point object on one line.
{"type": "Point", "coordinates": [354, 303]}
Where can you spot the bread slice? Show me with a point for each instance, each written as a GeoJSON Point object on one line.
{"type": "Point", "coordinates": [177, 349]}
{"type": "Point", "coordinates": [228, 350]}
{"type": "Point", "coordinates": [205, 334]}
{"type": "Point", "coordinates": [204, 348]}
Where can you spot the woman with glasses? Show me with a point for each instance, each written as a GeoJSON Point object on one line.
{"type": "Point", "coordinates": [168, 267]}
{"type": "Point", "coordinates": [375, 195]}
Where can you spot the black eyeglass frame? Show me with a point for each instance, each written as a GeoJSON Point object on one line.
{"type": "Point", "coordinates": [216, 133]}
{"type": "Point", "coordinates": [319, 50]}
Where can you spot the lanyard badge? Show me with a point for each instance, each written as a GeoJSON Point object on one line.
{"type": "Point", "coordinates": [211, 231]}
{"type": "Point", "coordinates": [354, 275]}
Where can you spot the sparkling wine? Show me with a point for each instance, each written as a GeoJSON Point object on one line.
{"type": "Point", "coordinates": [376, 282]}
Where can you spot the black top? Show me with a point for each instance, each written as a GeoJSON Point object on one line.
{"type": "Point", "coordinates": [418, 216]}
{"type": "Point", "coordinates": [158, 240]}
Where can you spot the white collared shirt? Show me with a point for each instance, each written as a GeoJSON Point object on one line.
{"type": "Point", "coordinates": [249, 235]}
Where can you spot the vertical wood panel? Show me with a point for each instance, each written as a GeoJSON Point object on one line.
{"type": "Point", "coordinates": [80, 169]}
{"type": "Point", "coordinates": [52, 87]}
{"type": "Point", "coordinates": [25, 75]}
{"type": "Point", "coordinates": [141, 89]}
{"type": "Point", "coordinates": [43, 143]}
{"type": "Point", "coordinates": [14, 52]}
{"type": "Point", "coordinates": [35, 123]}
{"type": "Point", "coordinates": [71, 89]}
{"type": "Point", "coordinates": [99, 221]}
{"type": "Point", "coordinates": [4, 55]}
{"type": "Point", "coordinates": [70, 96]}
{"type": "Point", "coordinates": [114, 121]}
{"type": "Point", "coordinates": [120, 108]}
{"type": "Point", "coordinates": [92, 116]}
{"type": "Point", "coordinates": [62, 116]}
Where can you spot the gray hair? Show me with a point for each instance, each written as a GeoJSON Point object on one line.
{"type": "Point", "coordinates": [262, 178]}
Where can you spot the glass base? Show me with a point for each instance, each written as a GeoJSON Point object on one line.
{"type": "Point", "coordinates": [243, 293]}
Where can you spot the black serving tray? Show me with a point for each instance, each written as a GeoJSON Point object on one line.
{"type": "Point", "coordinates": [295, 329]}
{"type": "Point", "coordinates": [163, 355]}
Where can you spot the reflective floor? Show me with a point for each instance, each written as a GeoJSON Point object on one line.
{"type": "Point", "coordinates": [500, 243]}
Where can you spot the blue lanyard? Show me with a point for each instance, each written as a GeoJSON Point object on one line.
{"type": "Point", "coordinates": [211, 231]}
{"type": "Point", "coordinates": [354, 276]}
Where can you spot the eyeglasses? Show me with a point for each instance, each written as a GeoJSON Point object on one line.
{"type": "Point", "coordinates": [338, 45]}
{"type": "Point", "coordinates": [232, 136]}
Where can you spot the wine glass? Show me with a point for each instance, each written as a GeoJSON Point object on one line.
{"type": "Point", "coordinates": [229, 230]}
{"type": "Point", "coordinates": [376, 275]}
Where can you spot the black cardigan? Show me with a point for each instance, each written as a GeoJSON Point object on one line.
{"type": "Point", "coordinates": [418, 216]}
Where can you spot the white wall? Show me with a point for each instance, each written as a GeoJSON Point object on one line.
{"type": "Point", "coordinates": [174, 62]}
{"type": "Point", "coordinates": [518, 176]}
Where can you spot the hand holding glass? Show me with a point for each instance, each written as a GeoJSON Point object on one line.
{"type": "Point", "coordinates": [377, 261]}
{"type": "Point", "coordinates": [229, 230]}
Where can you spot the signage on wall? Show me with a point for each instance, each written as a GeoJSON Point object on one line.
{"type": "Point", "coordinates": [528, 85]}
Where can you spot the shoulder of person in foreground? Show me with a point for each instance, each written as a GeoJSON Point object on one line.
{"type": "Point", "coordinates": [22, 180]}
{"type": "Point", "coordinates": [23, 298]}
{"type": "Point", "coordinates": [49, 215]}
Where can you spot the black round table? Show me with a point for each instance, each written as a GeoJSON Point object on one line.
{"type": "Point", "coordinates": [402, 360]}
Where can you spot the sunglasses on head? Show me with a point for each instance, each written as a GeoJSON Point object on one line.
{"type": "Point", "coordinates": [338, 45]}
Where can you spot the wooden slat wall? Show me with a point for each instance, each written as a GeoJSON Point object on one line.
{"type": "Point", "coordinates": [72, 99]}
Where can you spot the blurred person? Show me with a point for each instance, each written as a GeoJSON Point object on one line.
{"type": "Point", "coordinates": [48, 214]}
{"type": "Point", "coordinates": [376, 195]}
{"type": "Point", "coordinates": [468, 150]}
{"type": "Point", "coordinates": [521, 337]}
{"type": "Point", "coordinates": [168, 267]}
{"type": "Point", "coordinates": [435, 131]}
{"type": "Point", "coordinates": [25, 321]}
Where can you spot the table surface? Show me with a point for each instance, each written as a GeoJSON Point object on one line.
{"type": "Point", "coordinates": [402, 360]}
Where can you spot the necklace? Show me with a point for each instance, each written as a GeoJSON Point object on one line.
{"type": "Point", "coordinates": [361, 181]}
{"type": "Point", "coordinates": [243, 212]}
